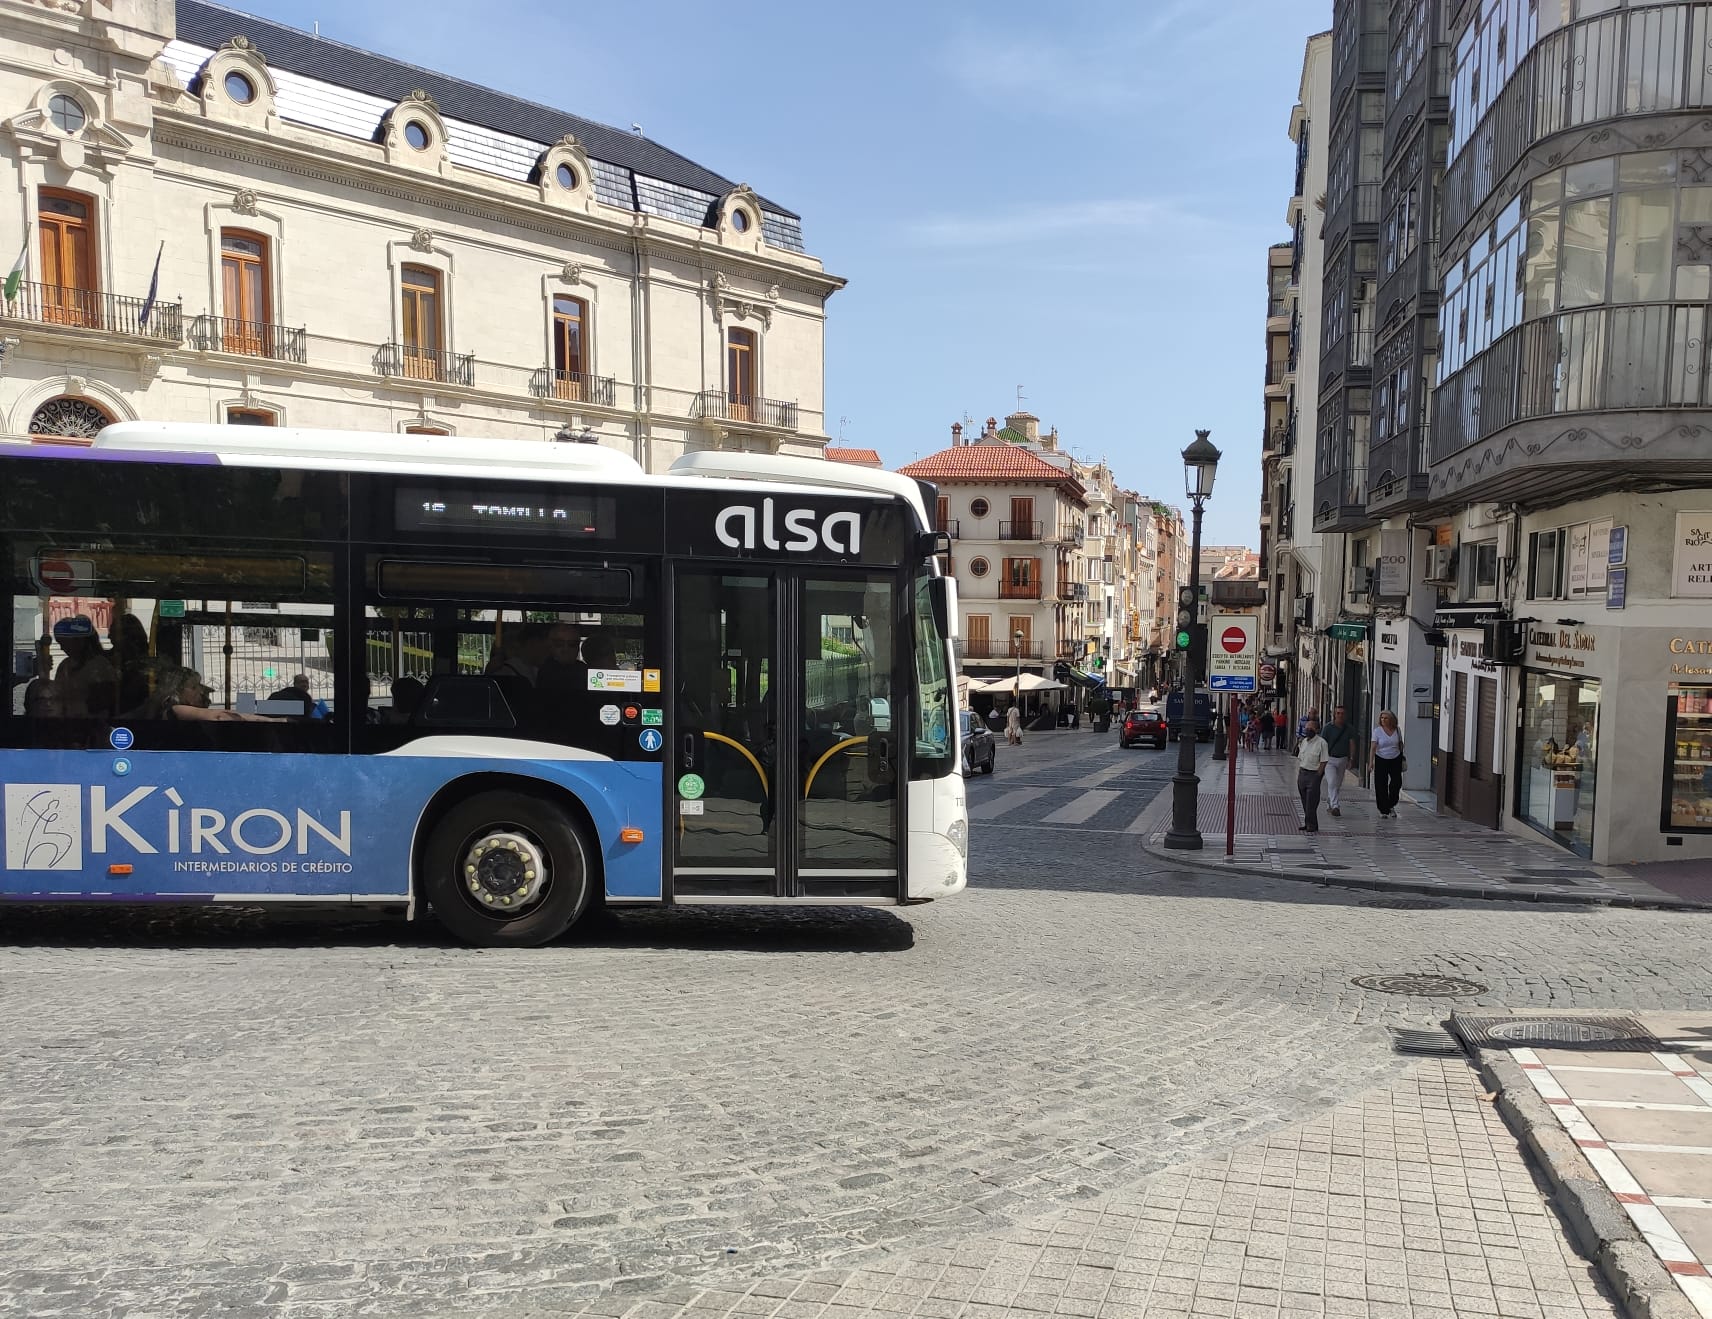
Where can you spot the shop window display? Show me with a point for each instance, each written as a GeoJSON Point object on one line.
{"type": "Point", "coordinates": [1560, 750]}
{"type": "Point", "coordinates": [1688, 760]}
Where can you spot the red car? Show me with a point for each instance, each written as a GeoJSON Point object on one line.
{"type": "Point", "coordinates": [1146, 725]}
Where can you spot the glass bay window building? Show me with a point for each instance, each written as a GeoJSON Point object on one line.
{"type": "Point", "coordinates": [1530, 422]}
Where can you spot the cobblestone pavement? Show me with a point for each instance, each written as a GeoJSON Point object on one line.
{"type": "Point", "coordinates": [221, 1114]}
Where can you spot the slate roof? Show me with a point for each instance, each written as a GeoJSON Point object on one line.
{"type": "Point", "coordinates": [856, 457]}
{"type": "Point", "coordinates": [301, 52]}
{"type": "Point", "coordinates": [990, 462]}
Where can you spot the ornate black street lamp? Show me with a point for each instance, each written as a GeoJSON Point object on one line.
{"type": "Point", "coordinates": [1200, 466]}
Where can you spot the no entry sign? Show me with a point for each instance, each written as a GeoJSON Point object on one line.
{"type": "Point", "coordinates": [1232, 665]}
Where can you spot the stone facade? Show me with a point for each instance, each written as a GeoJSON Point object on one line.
{"type": "Point", "coordinates": [331, 257]}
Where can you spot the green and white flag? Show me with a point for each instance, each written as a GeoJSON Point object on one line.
{"type": "Point", "coordinates": [15, 276]}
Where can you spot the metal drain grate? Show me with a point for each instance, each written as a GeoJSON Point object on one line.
{"type": "Point", "coordinates": [1289, 851]}
{"type": "Point", "coordinates": [1538, 879]}
{"type": "Point", "coordinates": [1583, 1033]}
{"type": "Point", "coordinates": [1407, 904]}
{"type": "Point", "coordinates": [1425, 1043]}
{"type": "Point", "coordinates": [1420, 984]}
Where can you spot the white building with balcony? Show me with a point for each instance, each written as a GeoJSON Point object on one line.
{"type": "Point", "coordinates": [227, 219]}
{"type": "Point", "coordinates": [1016, 522]}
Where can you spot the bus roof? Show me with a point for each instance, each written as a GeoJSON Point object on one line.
{"type": "Point", "coordinates": [468, 456]}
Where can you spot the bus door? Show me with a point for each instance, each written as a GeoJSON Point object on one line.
{"type": "Point", "coordinates": [785, 779]}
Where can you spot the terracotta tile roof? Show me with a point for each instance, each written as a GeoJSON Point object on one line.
{"type": "Point", "coordinates": [859, 457]}
{"type": "Point", "coordinates": [990, 462]}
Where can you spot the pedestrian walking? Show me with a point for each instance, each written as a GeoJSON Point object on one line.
{"type": "Point", "coordinates": [1266, 722]}
{"type": "Point", "coordinates": [1340, 750]}
{"type": "Point", "coordinates": [1013, 725]}
{"type": "Point", "coordinates": [1388, 764]}
{"type": "Point", "coordinates": [1310, 770]}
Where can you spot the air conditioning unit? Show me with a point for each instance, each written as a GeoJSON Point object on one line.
{"type": "Point", "coordinates": [1440, 568]}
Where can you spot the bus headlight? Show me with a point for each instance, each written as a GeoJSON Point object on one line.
{"type": "Point", "coordinates": [958, 834]}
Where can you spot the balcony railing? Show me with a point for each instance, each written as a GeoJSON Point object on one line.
{"type": "Point", "coordinates": [1068, 590]}
{"type": "Point", "coordinates": [1019, 530]}
{"type": "Point", "coordinates": [222, 334]}
{"type": "Point", "coordinates": [416, 363]}
{"type": "Point", "coordinates": [997, 648]}
{"type": "Point", "coordinates": [724, 406]}
{"type": "Point", "coordinates": [1019, 590]}
{"type": "Point", "coordinates": [952, 527]}
{"type": "Point", "coordinates": [85, 309]}
{"type": "Point", "coordinates": [1627, 357]}
{"type": "Point", "coordinates": [572, 386]}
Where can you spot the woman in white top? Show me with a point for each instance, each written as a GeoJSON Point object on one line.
{"type": "Point", "coordinates": [1387, 764]}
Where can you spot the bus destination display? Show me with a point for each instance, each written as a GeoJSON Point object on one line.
{"type": "Point", "coordinates": [505, 512]}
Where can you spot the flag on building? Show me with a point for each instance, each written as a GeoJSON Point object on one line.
{"type": "Point", "coordinates": [154, 288]}
{"type": "Point", "coordinates": [15, 276]}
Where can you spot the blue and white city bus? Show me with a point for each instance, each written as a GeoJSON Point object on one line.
{"type": "Point", "coordinates": [498, 679]}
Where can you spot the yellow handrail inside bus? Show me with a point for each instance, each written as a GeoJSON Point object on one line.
{"type": "Point", "coordinates": [845, 745]}
{"type": "Point", "coordinates": [745, 753]}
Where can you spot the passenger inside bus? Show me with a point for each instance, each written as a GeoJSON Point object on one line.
{"type": "Point", "coordinates": [86, 680]}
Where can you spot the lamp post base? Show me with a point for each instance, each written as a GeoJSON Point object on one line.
{"type": "Point", "coordinates": [1183, 836]}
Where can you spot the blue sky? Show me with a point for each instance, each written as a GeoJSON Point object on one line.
{"type": "Point", "coordinates": [1075, 198]}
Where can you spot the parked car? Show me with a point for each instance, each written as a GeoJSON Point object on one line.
{"type": "Point", "coordinates": [980, 747]}
{"type": "Point", "coordinates": [1146, 724]}
{"type": "Point", "coordinates": [1203, 714]}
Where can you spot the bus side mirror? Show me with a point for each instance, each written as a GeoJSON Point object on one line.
{"type": "Point", "coordinates": [939, 594]}
{"type": "Point", "coordinates": [931, 544]}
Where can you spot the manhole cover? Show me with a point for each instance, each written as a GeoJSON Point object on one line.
{"type": "Point", "coordinates": [1586, 1033]}
{"type": "Point", "coordinates": [1407, 904]}
{"type": "Point", "coordinates": [1420, 985]}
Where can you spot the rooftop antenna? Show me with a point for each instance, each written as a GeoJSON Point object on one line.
{"type": "Point", "coordinates": [1019, 398]}
{"type": "Point", "coordinates": [842, 422]}
{"type": "Point", "coordinates": [637, 129]}
{"type": "Point", "coordinates": [317, 26]}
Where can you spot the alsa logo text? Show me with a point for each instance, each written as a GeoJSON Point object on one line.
{"type": "Point", "coordinates": [47, 827]}
{"type": "Point", "coordinates": [738, 525]}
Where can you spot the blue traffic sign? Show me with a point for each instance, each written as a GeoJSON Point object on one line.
{"type": "Point", "coordinates": [120, 739]}
{"type": "Point", "coordinates": [1226, 682]}
{"type": "Point", "coordinates": [652, 739]}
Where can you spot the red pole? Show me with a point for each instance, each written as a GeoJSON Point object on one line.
{"type": "Point", "coordinates": [1230, 790]}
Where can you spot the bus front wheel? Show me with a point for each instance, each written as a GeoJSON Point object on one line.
{"type": "Point", "coordinates": [506, 869]}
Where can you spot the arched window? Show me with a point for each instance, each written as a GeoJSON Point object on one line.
{"type": "Point", "coordinates": [69, 419]}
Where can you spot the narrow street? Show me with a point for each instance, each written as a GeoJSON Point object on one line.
{"type": "Point", "coordinates": [308, 1119]}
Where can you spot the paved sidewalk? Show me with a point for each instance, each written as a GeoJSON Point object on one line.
{"type": "Point", "coordinates": [1419, 851]}
{"type": "Point", "coordinates": [1412, 1201]}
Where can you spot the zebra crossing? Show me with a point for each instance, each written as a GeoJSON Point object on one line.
{"type": "Point", "coordinates": [1102, 790]}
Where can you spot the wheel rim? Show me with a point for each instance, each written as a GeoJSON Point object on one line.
{"type": "Point", "coordinates": [504, 871]}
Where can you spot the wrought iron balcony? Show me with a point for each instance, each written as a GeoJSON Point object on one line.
{"type": "Point", "coordinates": [417, 363]}
{"type": "Point", "coordinates": [997, 648]}
{"type": "Point", "coordinates": [1068, 590]}
{"type": "Point", "coordinates": [222, 334]}
{"type": "Point", "coordinates": [572, 386]}
{"type": "Point", "coordinates": [85, 309]}
{"type": "Point", "coordinates": [1019, 530]}
{"type": "Point", "coordinates": [1019, 590]}
{"type": "Point", "coordinates": [952, 527]}
{"type": "Point", "coordinates": [752, 408]}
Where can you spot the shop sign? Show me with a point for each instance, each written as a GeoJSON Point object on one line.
{"type": "Point", "coordinates": [1391, 568]}
{"type": "Point", "coordinates": [1450, 619]}
{"type": "Point", "coordinates": [1691, 563]}
{"type": "Point", "coordinates": [1389, 641]}
{"type": "Point", "coordinates": [1576, 562]}
{"type": "Point", "coordinates": [1347, 631]}
{"type": "Point", "coordinates": [1618, 552]}
{"type": "Point", "coordinates": [1560, 648]}
{"type": "Point", "coordinates": [1598, 554]}
{"type": "Point", "coordinates": [1616, 588]}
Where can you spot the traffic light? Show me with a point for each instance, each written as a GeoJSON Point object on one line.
{"type": "Point", "coordinates": [1183, 637]}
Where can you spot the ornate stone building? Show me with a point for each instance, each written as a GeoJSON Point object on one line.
{"type": "Point", "coordinates": [226, 219]}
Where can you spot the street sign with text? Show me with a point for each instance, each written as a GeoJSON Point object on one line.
{"type": "Point", "coordinates": [1233, 661]}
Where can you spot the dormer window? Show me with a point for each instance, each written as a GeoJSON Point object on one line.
{"type": "Point", "coordinates": [67, 115]}
{"type": "Point", "coordinates": [567, 178]}
{"type": "Point", "coordinates": [740, 220]}
{"type": "Point", "coordinates": [239, 89]}
{"type": "Point", "coordinates": [416, 134]}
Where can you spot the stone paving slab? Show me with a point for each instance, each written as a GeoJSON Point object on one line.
{"type": "Point", "coordinates": [1419, 851]}
{"type": "Point", "coordinates": [1411, 1201]}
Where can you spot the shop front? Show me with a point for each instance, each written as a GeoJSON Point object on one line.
{"type": "Point", "coordinates": [1402, 681]}
{"type": "Point", "coordinates": [1558, 771]}
{"type": "Point", "coordinates": [1467, 776]}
